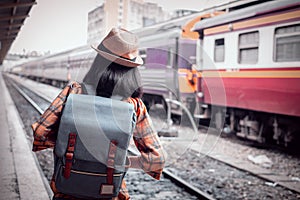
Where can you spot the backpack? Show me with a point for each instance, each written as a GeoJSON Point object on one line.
{"type": "Point", "coordinates": [91, 146]}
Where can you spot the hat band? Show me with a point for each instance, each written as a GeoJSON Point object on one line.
{"type": "Point", "coordinates": [103, 48]}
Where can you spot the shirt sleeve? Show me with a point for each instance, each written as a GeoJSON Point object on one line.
{"type": "Point", "coordinates": [152, 157]}
{"type": "Point", "coordinates": [46, 127]}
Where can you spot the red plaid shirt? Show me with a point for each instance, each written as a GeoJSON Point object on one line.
{"type": "Point", "coordinates": [146, 140]}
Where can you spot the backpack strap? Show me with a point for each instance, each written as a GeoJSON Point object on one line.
{"type": "Point", "coordinates": [108, 188]}
{"type": "Point", "coordinates": [87, 89]}
{"type": "Point", "coordinates": [70, 154]}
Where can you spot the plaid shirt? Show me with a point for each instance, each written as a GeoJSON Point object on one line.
{"type": "Point", "coordinates": [146, 140]}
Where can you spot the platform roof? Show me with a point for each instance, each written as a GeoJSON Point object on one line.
{"type": "Point", "coordinates": [12, 16]}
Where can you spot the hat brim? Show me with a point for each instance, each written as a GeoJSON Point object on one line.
{"type": "Point", "coordinates": [122, 61]}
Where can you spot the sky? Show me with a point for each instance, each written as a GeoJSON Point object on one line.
{"type": "Point", "coordinates": [58, 25]}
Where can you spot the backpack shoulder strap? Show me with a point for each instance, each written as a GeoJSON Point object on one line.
{"type": "Point", "coordinates": [136, 103]}
{"type": "Point", "coordinates": [86, 89]}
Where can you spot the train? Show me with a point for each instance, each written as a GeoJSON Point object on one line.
{"type": "Point", "coordinates": [58, 69]}
{"type": "Point", "coordinates": [249, 61]}
{"type": "Point", "coordinates": [169, 52]}
{"type": "Point", "coordinates": [237, 68]}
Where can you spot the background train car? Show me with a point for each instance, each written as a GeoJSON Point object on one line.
{"type": "Point", "coordinates": [169, 52]}
{"type": "Point", "coordinates": [58, 69]}
{"type": "Point", "coordinates": [250, 70]}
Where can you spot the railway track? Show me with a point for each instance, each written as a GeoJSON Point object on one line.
{"type": "Point", "coordinates": [197, 190]}
{"type": "Point", "coordinates": [39, 110]}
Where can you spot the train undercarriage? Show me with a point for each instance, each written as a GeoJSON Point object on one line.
{"type": "Point", "coordinates": [262, 127]}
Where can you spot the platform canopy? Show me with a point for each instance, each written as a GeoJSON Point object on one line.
{"type": "Point", "coordinates": [12, 16]}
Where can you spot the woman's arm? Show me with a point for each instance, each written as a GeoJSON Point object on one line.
{"type": "Point", "coordinates": [46, 127]}
{"type": "Point", "coordinates": [152, 158]}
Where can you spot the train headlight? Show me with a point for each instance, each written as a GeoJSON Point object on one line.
{"type": "Point", "coordinates": [200, 94]}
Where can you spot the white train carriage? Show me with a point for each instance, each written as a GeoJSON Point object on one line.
{"type": "Point", "coordinates": [250, 70]}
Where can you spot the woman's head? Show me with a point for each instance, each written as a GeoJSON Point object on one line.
{"type": "Point", "coordinates": [114, 70]}
{"type": "Point", "coordinates": [117, 80]}
{"type": "Point", "coordinates": [120, 46]}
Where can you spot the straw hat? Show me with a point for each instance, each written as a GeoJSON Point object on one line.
{"type": "Point", "coordinates": [120, 46]}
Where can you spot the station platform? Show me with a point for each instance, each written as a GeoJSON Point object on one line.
{"type": "Point", "coordinates": [20, 175]}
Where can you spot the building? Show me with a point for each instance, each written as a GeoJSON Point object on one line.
{"type": "Point", "coordinates": [129, 14]}
{"type": "Point", "coordinates": [95, 24]}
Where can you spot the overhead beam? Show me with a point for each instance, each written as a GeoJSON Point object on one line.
{"type": "Point", "coordinates": [11, 25]}
{"type": "Point", "coordinates": [13, 17]}
{"type": "Point", "coordinates": [10, 37]}
{"type": "Point", "coordinates": [8, 32]}
{"type": "Point", "coordinates": [11, 5]}
{"type": "Point", "coordinates": [7, 40]}
{"type": "Point", "coordinates": [13, 13]}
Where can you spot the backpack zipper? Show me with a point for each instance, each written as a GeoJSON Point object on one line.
{"type": "Point", "coordinates": [91, 174]}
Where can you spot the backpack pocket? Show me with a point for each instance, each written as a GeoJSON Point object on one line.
{"type": "Point", "coordinates": [84, 184]}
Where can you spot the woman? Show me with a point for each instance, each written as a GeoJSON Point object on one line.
{"type": "Point", "coordinates": [113, 74]}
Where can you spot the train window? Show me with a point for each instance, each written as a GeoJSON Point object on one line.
{"type": "Point", "coordinates": [219, 50]}
{"type": "Point", "coordinates": [248, 47]}
{"type": "Point", "coordinates": [156, 57]}
{"type": "Point", "coordinates": [287, 43]}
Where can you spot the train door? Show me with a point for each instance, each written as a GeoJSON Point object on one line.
{"type": "Point", "coordinates": [159, 72]}
{"type": "Point", "coordinates": [187, 75]}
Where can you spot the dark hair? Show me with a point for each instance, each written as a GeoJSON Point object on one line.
{"type": "Point", "coordinates": [118, 80]}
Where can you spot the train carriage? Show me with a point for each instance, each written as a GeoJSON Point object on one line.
{"type": "Point", "coordinates": [169, 52]}
{"type": "Point", "coordinates": [250, 67]}
{"type": "Point", "coordinates": [58, 69]}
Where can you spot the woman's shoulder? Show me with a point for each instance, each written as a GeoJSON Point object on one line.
{"type": "Point", "coordinates": [74, 84]}
{"type": "Point", "coordinates": [74, 88]}
{"type": "Point", "coordinates": [138, 104]}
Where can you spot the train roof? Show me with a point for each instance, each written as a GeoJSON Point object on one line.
{"type": "Point", "coordinates": [177, 23]}
{"type": "Point", "coordinates": [245, 13]}
{"type": "Point", "coordinates": [70, 52]}
{"type": "Point", "coordinates": [164, 26]}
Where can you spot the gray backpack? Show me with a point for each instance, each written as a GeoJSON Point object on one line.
{"type": "Point", "coordinates": [91, 146]}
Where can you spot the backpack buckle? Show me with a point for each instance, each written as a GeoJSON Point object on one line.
{"type": "Point", "coordinates": [70, 155]}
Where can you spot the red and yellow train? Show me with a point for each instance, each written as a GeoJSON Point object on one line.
{"type": "Point", "coordinates": [250, 70]}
